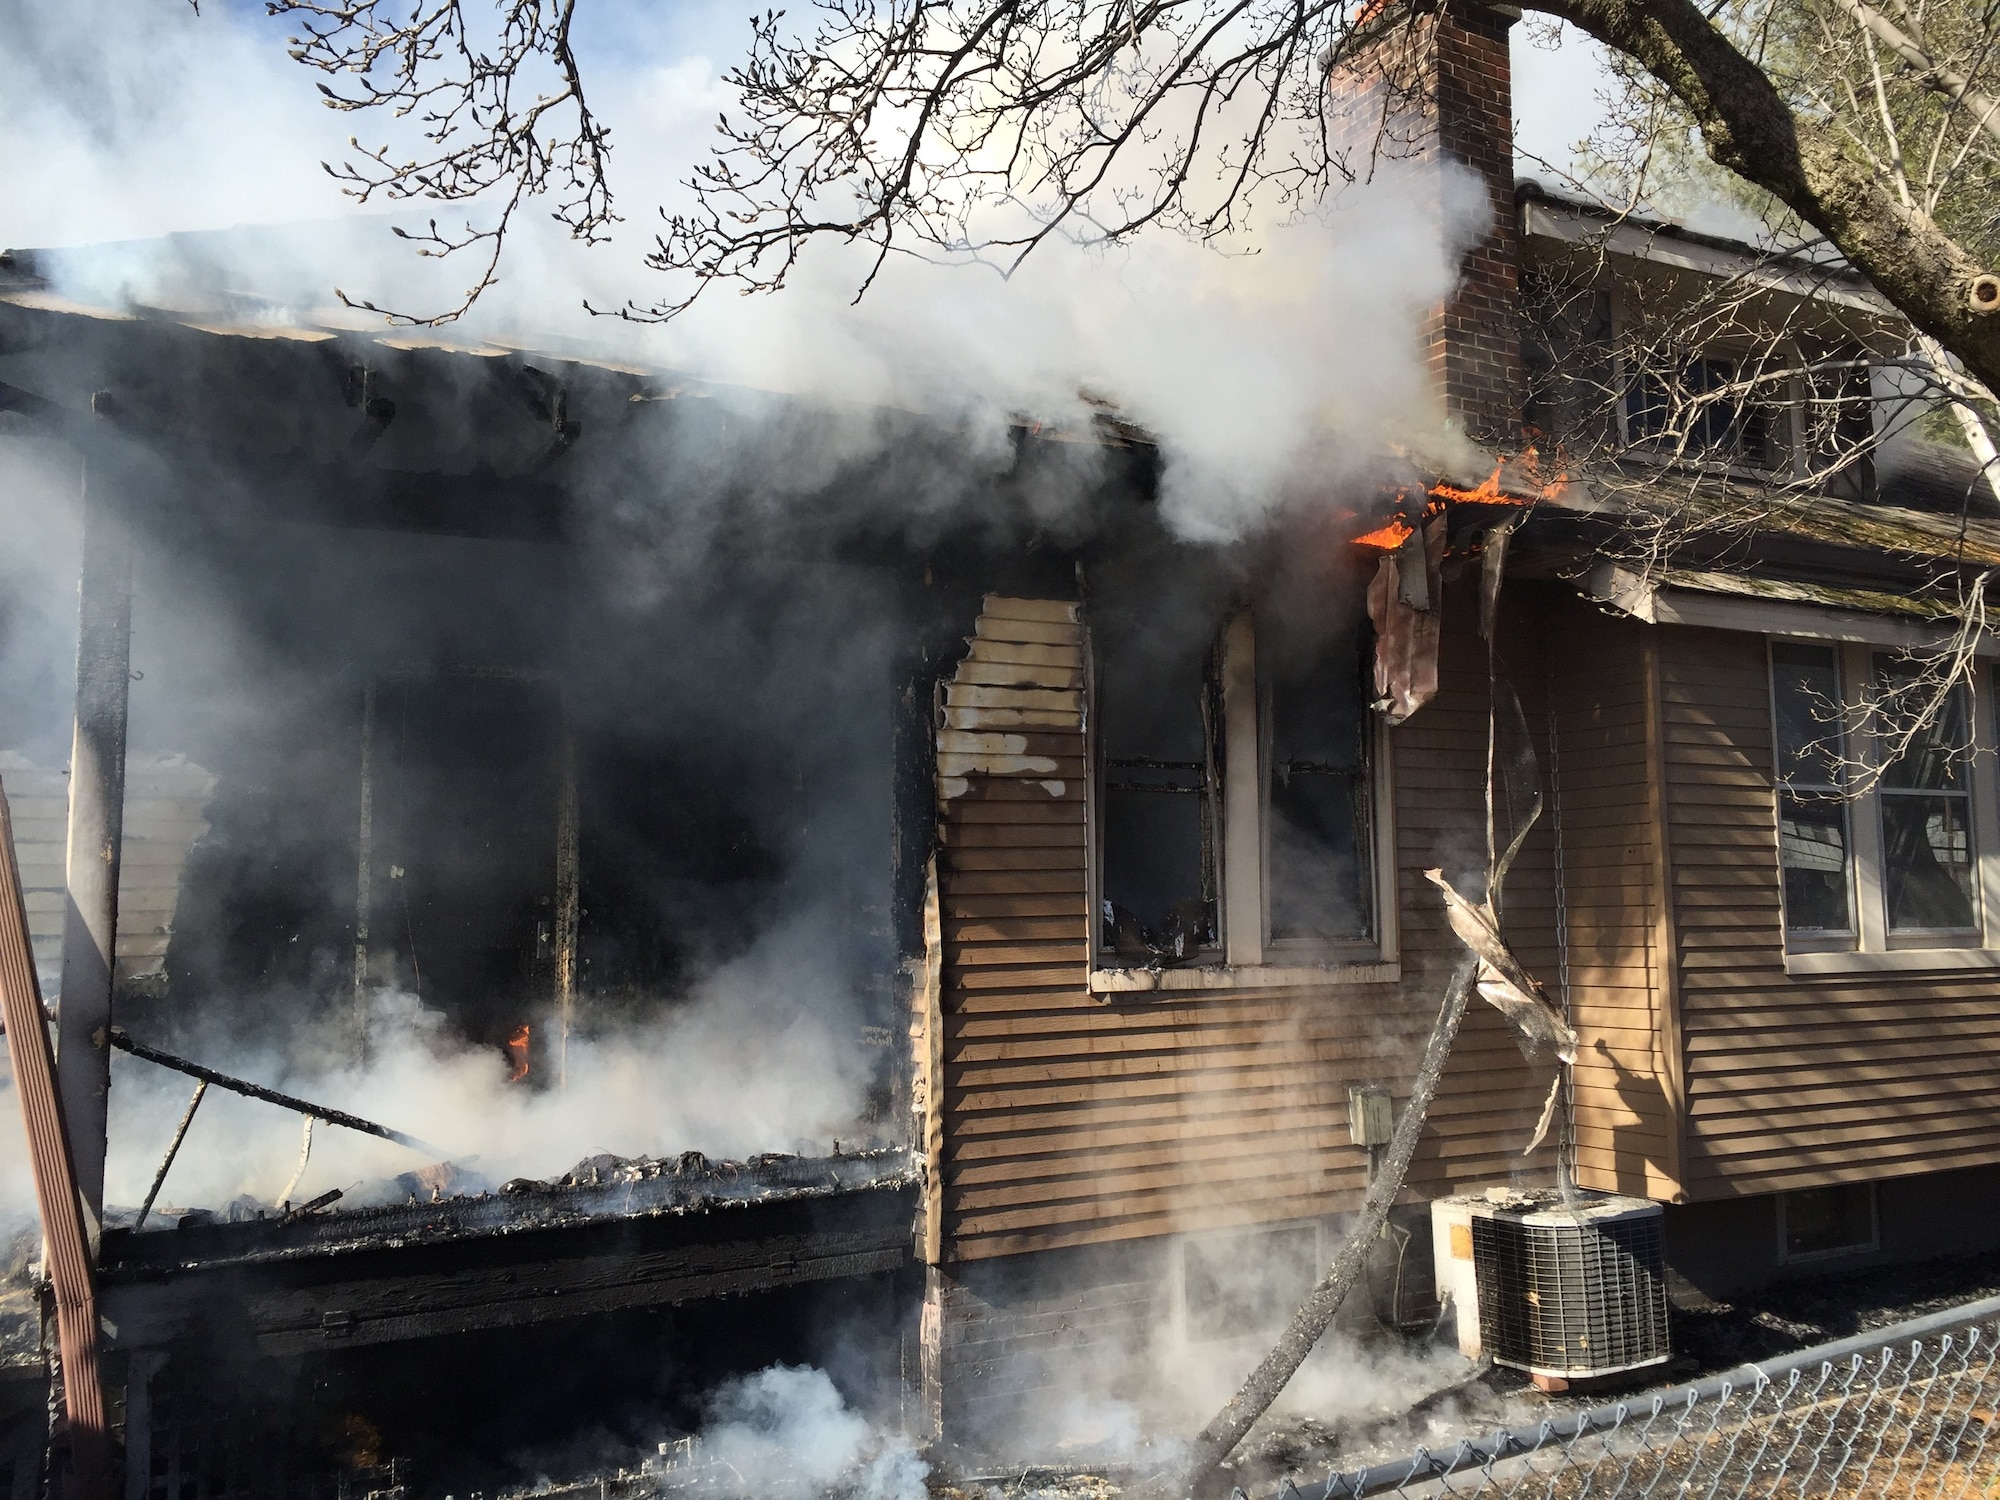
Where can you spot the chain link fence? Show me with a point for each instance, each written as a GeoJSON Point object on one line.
{"type": "Point", "coordinates": [1902, 1413]}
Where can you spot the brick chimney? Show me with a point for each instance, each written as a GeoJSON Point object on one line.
{"type": "Point", "coordinates": [1423, 82]}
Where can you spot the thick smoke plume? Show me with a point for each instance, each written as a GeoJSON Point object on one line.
{"type": "Point", "coordinates": [1271, 369]}
{"type": "Point", "coordinates": [1275, 373]}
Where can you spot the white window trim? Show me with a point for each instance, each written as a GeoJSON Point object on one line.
{"type": "Point", "coordinates": [1249, 959]}
{"type": "Point", "coordinates": [1872, 949]}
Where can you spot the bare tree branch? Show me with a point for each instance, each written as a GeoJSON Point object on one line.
{"type": "Point", "coordinates": [486, 126]}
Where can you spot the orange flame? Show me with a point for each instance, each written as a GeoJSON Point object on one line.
{"type": "Point", "coordinates": [1388, 537]}
{"type": "Point", "coordinates": [1398, 529]}
{"type": "Point", "coordinates": [1487, 493]}
{"type": "Point", "coordinates": [516, 1047]}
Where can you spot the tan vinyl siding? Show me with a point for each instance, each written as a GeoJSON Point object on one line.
{"type": "Point", "coordinates": [1793, 1082]}
{"type": "Point", "coordinates": [164, 801]}
{"type": "Point", "coordinates": [38, 802]}
{"type": "Point", "coordinates": [1625, 1123]}
{"type": "Point", "coordinates": [1072, 1121]}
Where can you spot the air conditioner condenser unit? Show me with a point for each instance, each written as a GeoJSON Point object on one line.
{"type": "Point", "coordinates": [1563, 1287]}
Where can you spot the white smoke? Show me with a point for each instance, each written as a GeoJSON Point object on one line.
{"type": "Point", "coordinates": [1274, 369]}
{"type": "Point", "coordinates": [785, 1433]}
{"type": "Point", "coordinates": [756, 1059]}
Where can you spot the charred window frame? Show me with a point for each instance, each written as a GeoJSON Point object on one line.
{"type": "Point", "coordinates": [1921, 845]}
{"type": "Point", "coordinates": [1317, 748]}
{"type": "Point", "coordinates": [1159, 764]}
{"type": "Point", "coordinates": [1290, 772]}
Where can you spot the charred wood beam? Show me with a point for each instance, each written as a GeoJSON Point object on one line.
{"type": "Point", "coordinates": [173, 1150]}
{"type": "Point", "coordinates": [63, 1228]}
{"type": "Point", "coordinates": [416, 1290]}
{"type": "Point", "coordinates": [96, 837]}
{"type": "Point", "coordinates": [338, 491]}
{"type": "Point", "coordinates": [117, 1038]}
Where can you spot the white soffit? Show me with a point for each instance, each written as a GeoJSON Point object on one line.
{"type": "Point", "coordinates": [1655, 245]}
{"type": "Point", "coordinates": [1764, 606]}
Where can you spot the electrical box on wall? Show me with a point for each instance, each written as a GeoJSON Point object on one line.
{"type": "Point", "coordinates": [1371, 1117]}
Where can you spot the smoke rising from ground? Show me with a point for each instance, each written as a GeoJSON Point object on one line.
{"type": "Point", "coordinates": [759, 1057]}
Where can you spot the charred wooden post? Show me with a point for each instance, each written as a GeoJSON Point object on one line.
{"type": "Point", "coordinates": [96, 831]}
{"type": "Point", "coordinates": [568, 910]}
{"type": "Point", "coordinates": [64, 1228]}
{"type": "Point", "coordinates": [364, 890]}
{"type": "Point", "coordinates": [173, 1150]}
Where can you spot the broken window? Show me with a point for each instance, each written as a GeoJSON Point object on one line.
{"type": "Point", "coordinates": [1319, 793]}
{"type": "Point", "coordinates": [1812, 814]}
{"type": "Point", "coordinates": [1926, 819]}
{"type": "Point", "coordinates": [1157, 800]}
{"type": "Point", "coordinates": [464, 894]}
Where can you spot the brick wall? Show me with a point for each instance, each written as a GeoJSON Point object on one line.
{"type": "Point", "coordinates": [1419, 86]}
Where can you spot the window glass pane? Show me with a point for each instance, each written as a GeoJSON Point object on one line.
{"type": "Point", "coordinates": [1935, 759]}
{"type": "Point", "coordinates": [1248, 1283]}
{"type": "Point", "coordinates": [1156, 884]}
{"type": "Point", "coordinates": [1927, 862]}
{"type": "Point", "coordinates": [1805, 695]}
{"type": "Point", "coordinates": [1812, 849]}
{"type": "Point", "coordinates": [1825, 1219]}
{"type": "Point", "coordinates": [1711, 410]}
{"type": "Point", "coordinates": [1318, 792]}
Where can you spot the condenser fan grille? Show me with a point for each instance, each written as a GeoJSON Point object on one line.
{"type": "Point", "coordinates": [1572, 1297]}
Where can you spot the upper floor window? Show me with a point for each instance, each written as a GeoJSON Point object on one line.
{"type": "Point", "coordinates": [1711, 408]}
{"type": "Point", "coordinates": [1892, 861]}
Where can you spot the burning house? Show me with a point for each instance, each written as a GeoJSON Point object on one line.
{"type": "Point", "coordinates": [978, 944]}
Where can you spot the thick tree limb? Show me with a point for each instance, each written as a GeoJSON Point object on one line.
{"type": "Point", "coordinates": [1749, 129]}
{"type": "Point", "coordinates": [1220, 1437]}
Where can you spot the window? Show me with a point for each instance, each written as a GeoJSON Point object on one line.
{"type": "Point", "coordinates": [1926, 798]}
{"type": "Point", "coordinates": [1236, 791]}
{"type": "Point", "coordinates": [1812, 815]}
{"type": "Point", "coordinates": [1825, 1221]}
{"type": "Point", "coordinates": [1157, 801]}
{"type": "Point", "coordinates": [1247, 1283]}
{"type": "Point", "coordinates": [1319, 790]}
{"type": "Point", "coordinates": [1707, 411]}
{"type": "Point", "coordinates": [1905, 865]}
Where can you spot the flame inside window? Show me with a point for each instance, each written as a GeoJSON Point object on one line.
{"type": "Point", "coordinates": [516, 1047]}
